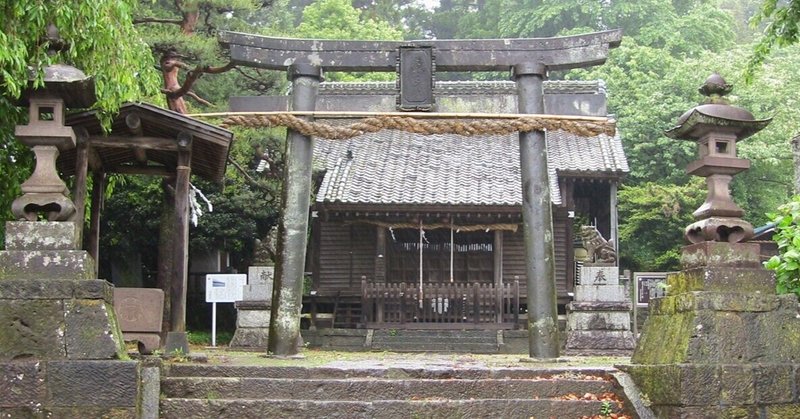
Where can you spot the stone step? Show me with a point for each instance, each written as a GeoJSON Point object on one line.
{"type": "Point", "coordinates": [463, 341]}
{"type": "Point", "coordinates": [385, 409]}
{"type": "Point", "coordinates": [396, 372]}
{"type": "Point", "coordinates": [423, 346]}
{"type": "Point", "coordinates": [371, 389]}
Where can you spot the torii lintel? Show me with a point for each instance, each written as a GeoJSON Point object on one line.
{"type": "Point", "coordinates": [558, 53]}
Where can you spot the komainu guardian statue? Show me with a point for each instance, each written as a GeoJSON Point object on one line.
{"type": "Point", "coordinates": [599, 249]}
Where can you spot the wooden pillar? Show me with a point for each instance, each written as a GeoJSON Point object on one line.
{"type": "Point", "coordinates": [176, 338]}
{"type": "Point", "coordinates": [81, 171]}
{"type": "Point", "coordinates": [380, 254]}
{"type": "Point", "coordinates": [498, 272]}
{"type": "Point", "coordinates": [98, 200]}
{"type": "Point", "coordinates": [568, 186]}
{"type": "Point", "coordinates": [166, 232]}
{"type": "Point", "coordinates": [612, 210]}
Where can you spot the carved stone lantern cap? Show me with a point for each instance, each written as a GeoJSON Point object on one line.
{"type": "Point", "coordinates": [65, 82]}
{"type": "Point", "coordinates": [716, 113]}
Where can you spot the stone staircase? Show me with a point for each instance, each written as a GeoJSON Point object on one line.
{"type": "Point", "coordinates": [209, 391]}
{"type": "Point", "coordinates": [460, 341]}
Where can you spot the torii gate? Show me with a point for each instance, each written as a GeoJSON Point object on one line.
{"type": "Point", "coordinates": [416, 62]}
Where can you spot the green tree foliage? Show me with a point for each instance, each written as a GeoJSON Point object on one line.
{"type": "Point", "coordinates": [338, 19]}
{"type": "Point", "coordinates": [787, 234]}
{"type": "Point", "coordinates": [782, 29]}
{"type": "Point", "coordinates": [655, 216]}
{"type": "Point", "coordinates": [91, 34]}
{"type": "Point", "coordinates": [182, 35]}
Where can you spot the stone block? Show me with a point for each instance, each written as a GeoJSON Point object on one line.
{"type": "Point", "coordinates": [32, 329]}
{"type": "Point", "coordinates": [736, 385]}
{"type": "Point", "coordinates": [250, 338]}
{"type": "Point", "coordinates": [601, 293]}
{"type": "Point", "coordinates": [42, 235]}
{"type": "Point", "coordinates": [92, 331]}
{"type": "Point", "coordinates": [151, 391]}
{"type": "Point", "coordinates": [92, 412]}
{"type": "Point", "coordinates": [252, 318]}
{"type": "Point", "coordinates": [36, 289]}
{"type": "Point", "coordinates": [600, 339]}
{"type": "Point", "coordinates": [259, 283]}
{"type": "Point", "coordinates": [600, 306]}
{"type": "Point", "coordinates": [722, 279]}
{"type": "Point", "coordinates": [782, 411]}
{"type": "Point", "coordinates": [39, 264]}
{"type": "Point", "coordinates": [139, 309]}
{"type": "Point", "coordinates": [661, 383]}
{"type": "Point", "coordinates": [87, 384]}
{"type": "Point", "coordinates": [599, 275]}
{"type": "Point", "coordinates": [700, 385]}
{"type": "Point", "coordinates": [664, 339]}
{"type": "Point", "coordinates": [599, 320]}
{"type": "Point", "coordinates": [146, 342]}
{"type": "Point", "coordinates": [737, 255]}
{"type": "Point", "coordinates": [94, 289]}
{"type": "Point", "coordinates": [719, 301]}
{"type": "Point", "coordinates": [21, 384]}
{"type": "Point", "coordinates": [740, 412]}
{"type": "Point", "coordinates": [773, 383]}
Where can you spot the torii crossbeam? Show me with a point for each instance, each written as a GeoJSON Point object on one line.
{"type": "Point", "coordinates": [528, 59]}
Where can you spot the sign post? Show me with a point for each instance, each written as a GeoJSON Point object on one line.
{"type": "Point", "coordinates": [223, 288]}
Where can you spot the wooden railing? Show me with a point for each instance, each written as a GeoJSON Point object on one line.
{"type": "Point", "coordinates": [440, 306]}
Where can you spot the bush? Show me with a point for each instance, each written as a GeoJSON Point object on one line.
{"type": "Point", "coordinates": [787, 235]}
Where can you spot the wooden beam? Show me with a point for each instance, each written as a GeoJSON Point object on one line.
{"type": "Point", "coordinates": [142, 170]}
{"type": "Point", "coordinates": [498, 272]}
{"type": "Point", "coordinates": [145, 143]}
{"type": "Point", "coordinates": [140, 154]}
{"type": "Point", "coordinates": [134, 123]}
{"type": "Point", "coordinates": [559, 53]}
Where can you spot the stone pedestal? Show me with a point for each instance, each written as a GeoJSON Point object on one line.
{"type": "Point", "coordinates": [253, 312]}
{"type": "Point", "coordinates": [50, 307]}
{"type": "Point", "coordinates": [721, 343]}
{"type": "Point", "coordinates": [599, 319]}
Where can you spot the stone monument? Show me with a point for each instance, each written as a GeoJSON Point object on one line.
{"type": "Point", "coordinates": [253, 312]}
{"type": "Point", "coordinates": [599, 319]}
{"type": "Point", "coordinates": [60, 343]}
{"type": "Point", "coordinates": [721, 343]}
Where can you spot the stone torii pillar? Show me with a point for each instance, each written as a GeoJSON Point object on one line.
{"type": "Point", "coordinates": [415, 62]}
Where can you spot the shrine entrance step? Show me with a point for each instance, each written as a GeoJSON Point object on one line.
{"type": "Point", "coordinates": [403, 389]}
{"type": "Point", "coordinates": [457, 341]}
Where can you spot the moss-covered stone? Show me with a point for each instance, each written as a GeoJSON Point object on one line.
{"type": "Point", "coordinates": [665, 339]}
{"type": "Point", "coordinates": [92, 331]}
{"type": "Point", "coordinates": [783, 411]}
{"type": "Point", "coordinates": [32, 329]}
{"type": "Point", "coordinates": [719, 254]}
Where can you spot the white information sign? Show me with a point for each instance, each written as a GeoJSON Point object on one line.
{"type": "Point", "coordinates": [225, 288]}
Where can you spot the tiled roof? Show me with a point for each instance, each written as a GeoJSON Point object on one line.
{"type": "Point", "coordinates": [396, 167]}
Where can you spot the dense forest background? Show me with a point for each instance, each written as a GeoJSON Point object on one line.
{"type": "Point", "coordinates": [669, 48]}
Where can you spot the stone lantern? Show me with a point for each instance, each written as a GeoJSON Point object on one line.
{"type": "Point", "coordinates": [64, 86]}
{"type": "Point", "coordinates": [721, 342]}
{"type": "Point", "coordinates": [717, 126]}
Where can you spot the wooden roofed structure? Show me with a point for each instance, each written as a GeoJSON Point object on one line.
{"type": "Point", "coordinates": [377, 191]}
{"type": "Point", "coordinates": [147, 140]}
